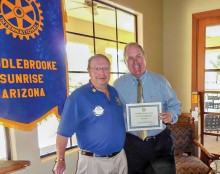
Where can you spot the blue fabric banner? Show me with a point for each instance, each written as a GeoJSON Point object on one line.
{"type": "Point", "coordinates": [33, 81]}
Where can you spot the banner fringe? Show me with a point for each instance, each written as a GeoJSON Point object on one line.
{"type": "Point", "coordinates": [30, 126]}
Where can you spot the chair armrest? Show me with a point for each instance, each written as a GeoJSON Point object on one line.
{"type": "Point", "coordinates": [204, 150]}
{"type": "Point", "coordinates": [206, 156]}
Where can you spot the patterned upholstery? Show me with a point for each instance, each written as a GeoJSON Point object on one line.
{"type": "Point", "coordinates": [183, 133]}
{"type": "Point", "coordinates": [190, 165]}
{"type": "Point", "coordinates": [183, 139]}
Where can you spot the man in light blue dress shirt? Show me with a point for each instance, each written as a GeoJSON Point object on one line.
{"type": "Point", "coordinates": [154, 154]}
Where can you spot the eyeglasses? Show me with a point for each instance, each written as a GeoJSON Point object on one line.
{"type": "Point", "coordinates": [107, 69]}
{"type": "Point", "coordinates": [138, 57]}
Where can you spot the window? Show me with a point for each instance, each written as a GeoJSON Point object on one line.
{"type": "Point", "coordinates": [106, 32]}
{"type": "Point", "coordinates": [212, 86]}
{"type": "Point", "coordinates": [3, 151]}
{"type": "Point", "coordinates": [91, 27]}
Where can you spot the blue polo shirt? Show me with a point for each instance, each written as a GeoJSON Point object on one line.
{"type": "Point", "coordinates": [98, 123]}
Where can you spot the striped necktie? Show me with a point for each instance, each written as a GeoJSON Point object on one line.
{"type": "Point", "coordinates": [140, 99]}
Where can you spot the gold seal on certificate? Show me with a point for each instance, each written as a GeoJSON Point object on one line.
{"type": "Point", "coordinates": [143, 116]}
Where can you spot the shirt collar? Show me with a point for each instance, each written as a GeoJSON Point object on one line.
{"type": "Point", "coordinates": [92, 87]}
{"type": "Point", "coordinates": [141, 78]}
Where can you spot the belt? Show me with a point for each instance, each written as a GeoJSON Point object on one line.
{"type": "Point", "coordinates": [149, 138]}
{"type": "Point", "coordinates": [83, 152]}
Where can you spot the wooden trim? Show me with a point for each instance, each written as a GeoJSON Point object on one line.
{"type": "Point", "coordinates": [194, 53]}
{"type": "Point", "coordinates": [10, 166]}
{"type": "Point", "coordinates": [207, 14]}
{"type": "Point", "coordinates": [198, 20]}
{"type": "Point", "coordinates": [201, 55]}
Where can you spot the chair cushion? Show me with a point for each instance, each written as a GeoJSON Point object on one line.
{"type": "Point", "coordinates": [190, 165]}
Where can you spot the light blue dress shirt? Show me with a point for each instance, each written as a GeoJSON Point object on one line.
{"type": "Point", "coordinates": [155, 89]}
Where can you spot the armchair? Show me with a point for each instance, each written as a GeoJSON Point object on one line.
{"type": "Point", "coordinates": [186, 147]}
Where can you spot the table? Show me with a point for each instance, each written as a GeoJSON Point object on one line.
{"type": "Point", "coordinates": [215, 165]}
{"type": "Point", "coordinates": [12, 165]}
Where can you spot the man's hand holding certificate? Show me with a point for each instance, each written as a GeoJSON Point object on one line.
{"type": "Point", "coordinates": [143, 116]}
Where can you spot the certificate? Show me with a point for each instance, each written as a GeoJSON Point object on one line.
{"type": "Point", "coordinates": [143, 116]}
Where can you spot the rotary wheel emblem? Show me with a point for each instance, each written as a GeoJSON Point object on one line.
{"type": "Point", "coordinates": [21, 18]}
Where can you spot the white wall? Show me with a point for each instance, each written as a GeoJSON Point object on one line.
{"type": "Point", "coordinates": [177, 43]}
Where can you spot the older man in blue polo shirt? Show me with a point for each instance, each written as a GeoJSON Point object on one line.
{"type": "Point", "coordinates": [94, 112]}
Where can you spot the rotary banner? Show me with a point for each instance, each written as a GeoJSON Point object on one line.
{"type": "Point", "coordinates": [32, 62]}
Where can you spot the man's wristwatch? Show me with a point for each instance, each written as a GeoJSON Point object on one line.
{"type": "Point", "coordinates": [60, 159]}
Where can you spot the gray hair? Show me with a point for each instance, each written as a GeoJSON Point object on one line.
{"type": "Point", "coordinates": [133, 44]}
{"type": "Point", "coordinates": [95, 56]}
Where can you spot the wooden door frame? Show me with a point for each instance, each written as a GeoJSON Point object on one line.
{"type": "Point", "coordinates": [199, 23]}
{"type": "Point", "coordinates": [198, 40]}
